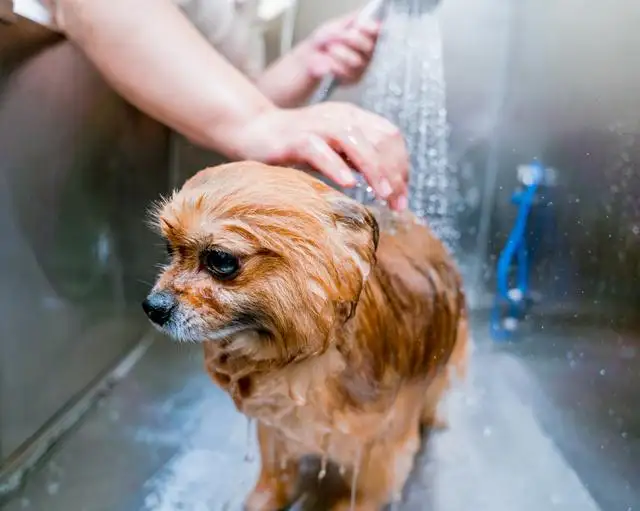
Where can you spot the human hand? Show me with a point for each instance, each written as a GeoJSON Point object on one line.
{"type": "Point", "coordinates": [342, 47]}
{"type": "Point", "coordinates": [333, 138]}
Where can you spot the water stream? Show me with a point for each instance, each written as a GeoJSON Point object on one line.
{"type": "Point", "coordinates": [406, 84]}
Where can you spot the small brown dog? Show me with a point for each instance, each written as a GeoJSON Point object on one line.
{"type": "Point", "coordinates": [335, 337]}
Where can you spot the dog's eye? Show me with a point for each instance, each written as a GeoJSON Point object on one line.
{"type": "Point", "coordinates": [221, 264]}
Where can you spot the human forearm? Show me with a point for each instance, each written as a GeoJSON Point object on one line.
{"type": "Point", "coordinates": [153, 56]}
{"type": "Point", "coordinates": [287, 82]}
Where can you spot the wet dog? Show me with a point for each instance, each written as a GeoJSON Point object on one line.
{"type": "Point", "coordinates": [336, 337]}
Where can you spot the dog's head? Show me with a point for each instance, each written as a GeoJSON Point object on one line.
{"type": "Point", "coordinates": [265, 260]}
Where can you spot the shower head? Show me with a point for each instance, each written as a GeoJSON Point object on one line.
{"type": "Point", "coordinates": [371, 11]}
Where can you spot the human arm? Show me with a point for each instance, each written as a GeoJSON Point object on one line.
{"type": "Point", "coordinates": [153, 57]}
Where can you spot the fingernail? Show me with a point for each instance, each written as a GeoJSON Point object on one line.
{"type": "Point", "coordinates": [348, 178]}
{"type": "Point", "coordinates": [385, 188]}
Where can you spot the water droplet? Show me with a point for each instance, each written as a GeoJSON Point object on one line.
{"type": "Point", "coordinates": [602, 372]}
{"type": "Point", "coordinates": [354, 478]}
{"type": "Point", "coordinates": [322, 473]}
{"type": "Point", "coordinates": [249, 454]}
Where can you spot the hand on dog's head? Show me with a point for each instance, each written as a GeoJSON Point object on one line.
{"type": "Point", "coordinates": [264, 253]}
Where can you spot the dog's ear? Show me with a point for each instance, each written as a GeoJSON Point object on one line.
{"type": "Point", "coordinates": [358, 233]}
{"type": "Point", "coordinates": [353, 216]}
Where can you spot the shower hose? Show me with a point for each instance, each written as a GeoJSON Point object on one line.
{"type": "Point", "coordinates": [510, 303]}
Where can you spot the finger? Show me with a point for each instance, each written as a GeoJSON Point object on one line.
{"type": "Point", "coordinates": [345, 74]}
{"type": "Point", "coordinates": [348, 20]}
{"type": "Point", "coordinates": [357, 41]}
{"type": "Point", "coordinates": [399, 203]}
{"type": "Point", "coordinates": [322, 157]}
{"type": "Point", "coordinates": [392, 151]}
{"type": "Point", "coordinates": [346, 56]}
{"type": "Point", "coordinates": [364, 157]}
{"type": "Point", "coordinates": [328, 33]}
{"type": "Point", "coordinates": [354, 20]}
{"type": "Point", "coordinates": [395, 165]}
{"type": "Point", "coordinates": [320, 65]}
{"type": "Point", "coordinates": [370, 28]}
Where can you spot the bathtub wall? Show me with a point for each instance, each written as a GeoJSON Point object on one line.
{"type": "Point", "coordinates": [78, 168]}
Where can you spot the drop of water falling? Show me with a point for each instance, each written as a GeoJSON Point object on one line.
{"type": "Point", "coordinates": [326, 444]}
{"type": "Point", "coordinates": [342, 470]}
{"type": "Point", "coordinates": [250, 455]}
{"type": "Point", "coordinates": [322, 473]}
{"type": "Point", "coordinates": [354, 478]}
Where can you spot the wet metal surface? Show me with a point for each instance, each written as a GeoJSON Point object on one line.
{"type": "Point", "coordinates": [587, 375]}
{"type": "Point", "coordinates": [166, 439]}
{"type": "Point", "coordinates": [78, 169]}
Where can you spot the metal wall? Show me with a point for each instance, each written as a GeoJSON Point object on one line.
{"type": "Point", "coordinates": [78, 168]}
{"type": "Point", "coordinates": [556, 81]}
{"type": "Point", "coordinates": [561, 87]}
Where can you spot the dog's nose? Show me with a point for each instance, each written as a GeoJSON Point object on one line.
{"type": "Point", "coordinates": [158, 306]}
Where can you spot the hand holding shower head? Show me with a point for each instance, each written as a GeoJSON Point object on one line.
{"type": "Point", "coordinates": [371, 11]}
